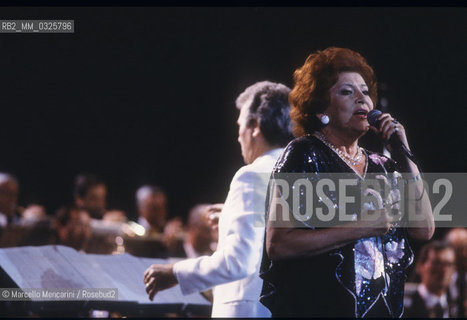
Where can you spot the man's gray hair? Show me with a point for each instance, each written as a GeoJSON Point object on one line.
{"type": "Point", "coordinates": [268, 105]}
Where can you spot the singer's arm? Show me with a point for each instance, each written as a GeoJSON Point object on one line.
{"type": "Point", "coordinates": [420, 215]}
{"type": "Point", "coordinates": [419, 206]}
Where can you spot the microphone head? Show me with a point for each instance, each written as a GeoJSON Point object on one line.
{"type": "Point", "coordinates": [372, 117]}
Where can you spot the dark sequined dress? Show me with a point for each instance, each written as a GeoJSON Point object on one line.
{"type": "Point", "coordinates": [362, 279]}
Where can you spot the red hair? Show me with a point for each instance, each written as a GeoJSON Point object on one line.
{"type": "Point", "coordinates": [313, 80]}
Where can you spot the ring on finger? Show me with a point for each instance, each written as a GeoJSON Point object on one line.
{"type": "Point", "coordinates": [395, 121]}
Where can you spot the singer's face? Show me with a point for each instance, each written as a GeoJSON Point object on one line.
{"type": "Point", "coordinates": [349, 104]}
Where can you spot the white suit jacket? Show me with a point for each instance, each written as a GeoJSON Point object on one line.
{"type": "Point", "coordinates": [234, 268]}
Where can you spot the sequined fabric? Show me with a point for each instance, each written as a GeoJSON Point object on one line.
{"type": "Point", "coordinates": [363, 272]}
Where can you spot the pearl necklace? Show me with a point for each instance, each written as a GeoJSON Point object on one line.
{"type": "Point", "coordinates": [352, 161]}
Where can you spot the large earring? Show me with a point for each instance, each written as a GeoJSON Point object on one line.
{"type": "Point", "coordinates": [324, 119]}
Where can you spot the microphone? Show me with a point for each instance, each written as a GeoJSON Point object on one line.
{"type": "Point", "coordinates": [394, 140]}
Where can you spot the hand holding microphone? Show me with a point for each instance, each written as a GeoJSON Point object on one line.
{"type": "Point", "coordinates": [391, 131]}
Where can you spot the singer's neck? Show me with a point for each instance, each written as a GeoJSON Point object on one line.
{"type": "Point", "coordinates": [344, 143]}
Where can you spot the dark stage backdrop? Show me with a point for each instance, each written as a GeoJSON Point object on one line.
{"type": "Point", "coordinates": [146, 95]}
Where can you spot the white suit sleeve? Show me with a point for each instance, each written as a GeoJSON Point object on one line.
{"type": "Point", "coordinates": [241, 250]}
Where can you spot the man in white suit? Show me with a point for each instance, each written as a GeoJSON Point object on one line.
{"type": "Point", "coordinates": [233, 269]}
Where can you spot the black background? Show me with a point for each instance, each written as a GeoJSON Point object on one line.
{"type": "Point", "coordinates": [146, 95]}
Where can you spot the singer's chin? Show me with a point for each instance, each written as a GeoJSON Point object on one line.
{"type": "Point", "coordinates": [364, 130]}
{"type": "Point", "coordinates": [365, 127]}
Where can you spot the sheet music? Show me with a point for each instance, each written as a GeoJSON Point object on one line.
{"type": "Point", "coordinates": [41, 267]}
{"type": "Point", "coordinates": [63, 267]}
{"type": "Point", "coordinates": [83, 263]}
{"type": "Point", "coordinates": [125, 273]}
